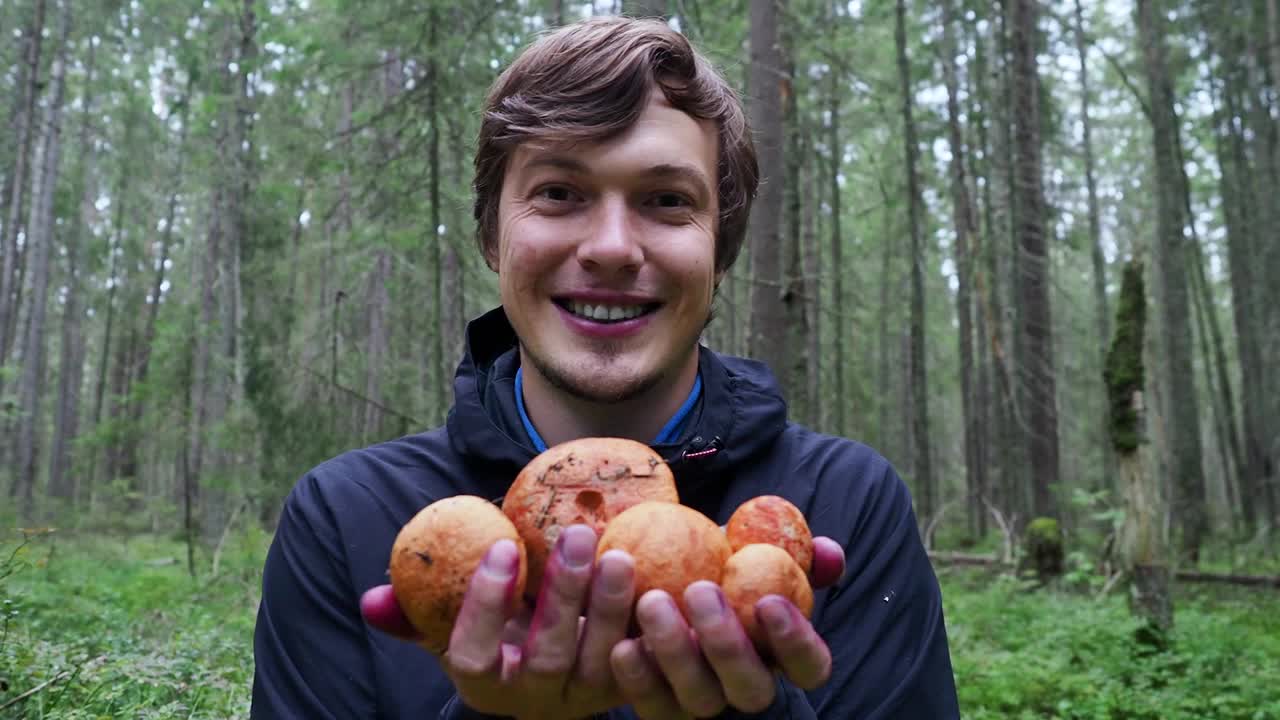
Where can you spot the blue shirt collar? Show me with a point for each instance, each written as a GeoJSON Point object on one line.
{"type": "Point", "coordinates": [669, 433]}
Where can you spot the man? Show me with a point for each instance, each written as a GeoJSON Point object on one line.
{"type": "Point", "coordinates": [614, 177]}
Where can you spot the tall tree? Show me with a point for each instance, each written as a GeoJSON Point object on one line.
{"type": "Point", "coordinates": [1177, 391]}
{"type": "Point", "coordinates": [835, 151]}
{"type": "Point", "coordinates": [40, 235]}
{"type": "Point", "coordinates": [966, 235]}
{"type": "Point", "coordinates": [769, 89]}
{"type": "Point", "coordinates": [1101, 311]}
{"type": "Point", "coordinates": [66, 421]}
{"type": "Point", "coordinates": [1141, 538]}
{"type": "Point", "coordinates": [1037, 387]}
{"type": "Point", "coordinates": [16, 179]}
{"type": "Point", "coordinates": [922, 455]}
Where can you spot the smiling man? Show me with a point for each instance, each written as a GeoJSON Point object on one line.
{"type": "Point", "coordinates": [614, 178]}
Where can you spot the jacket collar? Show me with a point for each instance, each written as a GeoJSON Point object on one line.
{"type": "Point", "coordinates": [741, 411]}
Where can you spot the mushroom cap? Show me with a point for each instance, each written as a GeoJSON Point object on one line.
{"type": "Point", "coordinates": [672, 546]}
{"type": "Point", "coordinates": [435, 555]}
{"type": "Point", "coordinates": [774, 520]}
{"type": "Point", "coordinates": [758, 570]}
{"type": "Point", "coordinates": [588, 481]}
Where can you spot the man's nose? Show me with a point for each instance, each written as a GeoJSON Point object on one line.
{"type": "Point", "coordinates": [613, 239]}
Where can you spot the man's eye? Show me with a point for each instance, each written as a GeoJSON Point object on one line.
{"type": "Point", "coordinates": [556, 193]}
{"type": "Point", "coordinates": [670, 200]}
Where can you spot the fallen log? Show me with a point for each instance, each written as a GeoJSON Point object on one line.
{"type": "Point", "coordinates": [1264, 581]}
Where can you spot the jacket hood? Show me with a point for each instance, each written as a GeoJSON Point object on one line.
{"type": "Point", "coordinates": [741, 411]}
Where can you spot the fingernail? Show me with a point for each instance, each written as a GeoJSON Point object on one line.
{"type": "Point", "coordinates": [502, 560]}
{"type": "Point", "coordinates": [630, 662]}
{"type": "Point", "coordinates": [615, 572]}
{"type": "Point", "coordinates": [706, 603]}
{"type": "Point", "coordinates": [659, 613]}
{"type": "Point", "coordinates": [776, 615]}
{"type": "Point", "coordinates": [577, 546]}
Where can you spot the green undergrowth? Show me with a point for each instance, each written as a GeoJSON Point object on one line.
{"type": "Point", "coordinates": [1057, 654]}
{"type": "Point", "coordinates": [116, 629]}
{"type": "Point", "coordinates": [128, 633]}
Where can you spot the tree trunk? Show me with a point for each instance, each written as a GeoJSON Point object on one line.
{"type": "Point", "coordinates": [922, 456]}
{"type": "Point", "coordinates": [376, 305]}
{"type": "Point", "coordinates": [966, 234]}
{"type": "Point", "coordinates": [1102, 312]}
{"type": "Point", "coordinates": [770, 88]}
{"type": "Point", "coordinates": [1181, 416]}
{"type": "Point", "coordinates": [1241, 219]}
{"type": "Point", "coordinates": [66, 421]}
{"type": "Point", "coordinates": [40, 237]}
{"type": "Point", "coordinates": [646, 8]}
{"type": "Point", "coordinates": [10, 294]}
{"type": "Point", "coordinates": [1037, 384]}
{"type": "Point", "coordinates": [838, 305]}
{"type": "Point", "coordinates": [1143, 548]}
{"type": "Point", "coordinates": [812, 252]}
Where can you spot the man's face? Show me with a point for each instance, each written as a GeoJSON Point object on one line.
{"type": "Point", "coordinates": [606, 254]}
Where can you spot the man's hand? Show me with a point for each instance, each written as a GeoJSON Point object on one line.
{"type": "Point", "coordinates": [552, 665]}
{"type": "Point", "coordinates": [529, 668]}
{"type": "Point", "coordinates": [682, 669]}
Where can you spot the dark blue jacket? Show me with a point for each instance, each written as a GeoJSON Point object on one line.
{"type": "Point", "coordinates": [317, 659]}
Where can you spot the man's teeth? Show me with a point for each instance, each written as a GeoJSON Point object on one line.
{"type": "Point", "coordinates": [606, 312]}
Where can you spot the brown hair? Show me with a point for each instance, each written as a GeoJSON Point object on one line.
{"type": "Point", "coordinates": [589, 81]}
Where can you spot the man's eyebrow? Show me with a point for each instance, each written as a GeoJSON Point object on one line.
{"type": "Point", "coordinates": [675, 171]}
{"type": "Point", "coordinates": [680, 171]}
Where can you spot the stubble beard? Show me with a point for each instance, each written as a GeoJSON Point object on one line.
{"type": "Point", "coordinates": [562, 378]}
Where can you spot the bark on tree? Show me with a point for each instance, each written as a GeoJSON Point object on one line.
{"type": "Point", "coordinates": [966, 234]}
{"type": "Point", "coordinates": [1178, 393]}
{"type": "Point", "coordinates": [9, 293]}
{"type": "Point", "coordinates": [1241, 220]}
{"type": "Point", "coordinates": [836, 150]}
{"type": "Point", "coordinates": [377, 305]}
{"type": "Point", "coordinates": [922, 467]}
{"type": "Point", "coordinates": [40, 237]}
{"type": "Point", "coordinates": [66, 421]}
{"type": "Point", "coordinates": [770, 88]}
{"type": "Point", "coordinates": [646, 8]}
{"type": "Point", "coordinates": [1142, 541]}
{"type": "Point", "coordinates": [1037, 383]}
{"type": "Point", "coordinates": [23, 141]}
{"type": "Point", "coordinates": [794, 290]}
{"type": "Point", "coordinates": [1102, 312]}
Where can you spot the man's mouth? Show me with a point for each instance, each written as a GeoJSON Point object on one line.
{"type": "Point", "coordinates": [607, 313]}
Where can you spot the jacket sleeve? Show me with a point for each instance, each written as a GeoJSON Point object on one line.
{"type": "Point", "coordinates": [883, 621]}
{"type": "Point", "coordinates": [312, 655]}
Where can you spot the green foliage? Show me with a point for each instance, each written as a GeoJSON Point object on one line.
{"type": "Point", "coordinates": [124, 632]}
{"type": "Point", "coordinates": [1124, 371]}
{"type": "Point", "coordinates": [1057, 655]}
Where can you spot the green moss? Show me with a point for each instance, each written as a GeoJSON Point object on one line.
{"type": "Point", "coordinates": [1124, 372]}
{"type": "Point", "coordinates": [1044, 547]}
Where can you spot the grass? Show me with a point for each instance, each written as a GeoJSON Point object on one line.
{"type": "Point", "coordinates": [127, 633]}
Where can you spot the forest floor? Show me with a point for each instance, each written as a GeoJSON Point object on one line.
{"type": "Point", "coordinates": [98, 627]}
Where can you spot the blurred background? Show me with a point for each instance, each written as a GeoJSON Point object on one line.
{"type": "Point", "coordinates": [1026, 250]}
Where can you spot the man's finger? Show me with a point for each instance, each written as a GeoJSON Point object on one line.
{"type": "Point", "coordinates": [828, 562]}
{"type": "Point", "coordinates": [475, 644]}
{"type": "Point", "coordinates": [552, 644]}
{"type": "Point", "coordinates": [608, 612]}
{"type": "Point", "coordinates": [668, 636]}
{"type": "Point", "coordinates": [798, 649]}
{"type": "Point", "coordinates": [380, 609]}
{"type": "Point", "coordinates": [747, 684]}
{"type": "Point", "coordinates": [642, 684]}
